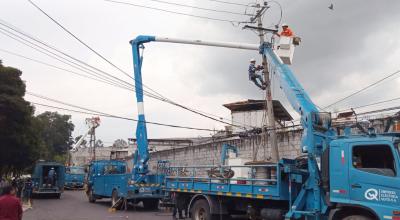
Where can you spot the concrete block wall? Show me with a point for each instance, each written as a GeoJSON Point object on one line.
{"type": "Point", "coordinates": [256, 147]}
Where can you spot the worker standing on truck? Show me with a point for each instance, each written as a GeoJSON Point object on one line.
{"type": "Point", "coordinates": [253, 75]}
{"type": "Point", "coordinates": [286, 31]}
{"type": "Point", "coordinates": [52, 176]}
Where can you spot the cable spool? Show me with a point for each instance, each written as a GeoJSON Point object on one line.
{"type": "Point", "coordinates": [266, 172]}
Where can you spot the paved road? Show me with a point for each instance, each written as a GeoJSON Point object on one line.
{"type": "Point", "coordinates": [73, 205]}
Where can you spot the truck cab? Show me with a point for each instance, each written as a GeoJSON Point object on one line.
{"type": "Point", "coordinates": [74, 177]}
{"type": "Point", "coordinates": [364, 176]}
{"type": "Point", "coordinates": [109, 179]}
{"type": "Point", "coordinates": [43, 183]}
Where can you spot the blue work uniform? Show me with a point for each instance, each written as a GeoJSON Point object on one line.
{"type": "Point", "coordinates": [253, 76]}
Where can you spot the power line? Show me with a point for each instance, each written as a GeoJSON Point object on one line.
{"type": "Point", "coordinates": [61, 60]}
{"type": "Point", "coordinates": [367, 105]}
{"type": "Point", "coordinates": [103, 74]}
{"type": "Point", "coordinates": [87, 46]}
{"type": "Point", "coordinates": [63, 69]}
{"type": "Point", "coordinates": [78, 39]}
{"type": "Point", "coordinates": [231, 3]}
{"type": "Point", "coordinates": [94, 112]}
{"type": "Point", "coordinates": [174, 12]}
{"type": "Point", "coordinates": [196, 7]}
{"type": "Point", "coordinates": [363, 89]}
{"type": "Point", "coordinates": [161, 98]}
{"type": "Point", "coordinates": [66, 70]}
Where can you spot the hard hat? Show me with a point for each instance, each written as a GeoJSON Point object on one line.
{"type": "Point", "coordinates": [252, 60]}
{"type": "Point", "coordinates": [285, 25]}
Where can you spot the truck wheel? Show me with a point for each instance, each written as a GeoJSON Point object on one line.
{"type": "Point", "coordinates": [201, 211]}
{"type": "Point", "coordinates": [116, 202]}
{"type": "Point", "coordinates": [91, 197]}
{"type": "Point", "coordinates": [357, 217]}
{"type": "Point", "coordinates": [150, 204]}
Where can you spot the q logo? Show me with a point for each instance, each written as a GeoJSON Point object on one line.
{"type": "Point", "coordinates": [371, 194]}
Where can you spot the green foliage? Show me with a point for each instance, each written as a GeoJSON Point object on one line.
{"type": "Point", "coordinates": [18, 138]}
{"type": "Point", "coordinates": [99, 143]}
{"type": "Point", "coordinates": [55, 131]}
{"type": "Point", "coordinates": [24, 138]}
{"type": "Point", "coordinates": [120, 143]}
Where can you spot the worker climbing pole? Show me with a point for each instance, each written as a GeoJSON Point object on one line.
{"type": "Point", "coordinates": [271, 128]}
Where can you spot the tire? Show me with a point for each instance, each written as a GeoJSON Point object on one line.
{"type": "Point", "coordinates": [357, 217]}
{"type": "Point", "coordinates": [201, 211]}
{"type": "Point", "coordinates": [91, 197]}
{"type": "Point", "coordinates": [150, 204]}
{"type": "Point", "coordinates": [114, 200]}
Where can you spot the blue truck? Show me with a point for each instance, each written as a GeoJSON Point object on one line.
{"type": "Point", "coordinates": [74, 177]}
{"type": "Point", "coordinates": [340, 176]}
{"type": "Point", "coordinates": [48, 178]}
{"type": "Point", "coordinates": [110, 179]}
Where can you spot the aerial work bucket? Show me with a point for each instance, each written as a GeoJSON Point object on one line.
{"type": "Point", "coordinates": [286, 49]}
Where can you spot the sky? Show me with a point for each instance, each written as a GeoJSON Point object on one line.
{"type": "Point", "coordinates": [342, 50]}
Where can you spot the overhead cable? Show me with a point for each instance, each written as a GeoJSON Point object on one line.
{"type": "Point", "coordinates": [158, 94]}
{"type": "Point", "coordinates": [87, 46]}
{"type": "Point", "coordinates": [94, 112]}
{"type": "Point", "coordinates": [108, 75]}
{"type": "Point", "coordinates": [230, 3]}
{"type": "Point", "coordinates": [363, 89]}
{"type": "Point", "coordinates": [367, 105]}
{"type": "Point", "coordinates": [196, 7]}
{"type": "Point", "coordinates": [77, 62]}
{"type": "Point", "coordinates": [174, 12]}
{"type": "Point", "coordinates": [63, 69]}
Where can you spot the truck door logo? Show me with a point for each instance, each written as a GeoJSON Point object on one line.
{"type": "Point", "coordinates": [382, 195]}
{"type": "Point", "coordinates": [371, 194]}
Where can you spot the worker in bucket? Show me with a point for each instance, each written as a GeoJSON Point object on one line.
{"type": "Point", "coordinates": [254, 76]}
{"type": "Point", "coordinates": [286, 31]}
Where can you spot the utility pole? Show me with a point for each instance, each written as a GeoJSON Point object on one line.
{"type": "Point", "coordinates": [269, 106]}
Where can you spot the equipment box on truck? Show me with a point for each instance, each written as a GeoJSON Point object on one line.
{"type": "Point", "coordinates": [48, 178]}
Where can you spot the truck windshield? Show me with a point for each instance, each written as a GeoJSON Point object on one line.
{"type": "Point", "coordinates": [76, 170]}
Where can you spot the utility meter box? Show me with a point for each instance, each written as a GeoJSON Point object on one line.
{"type": "Point", "coordinates": [286, 49]}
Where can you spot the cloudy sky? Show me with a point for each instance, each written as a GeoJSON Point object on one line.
{"type": "Point", "coordinates": [342, 50]}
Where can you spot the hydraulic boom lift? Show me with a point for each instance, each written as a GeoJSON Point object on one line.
{"type": "Point", "coordinates": [351, 177]}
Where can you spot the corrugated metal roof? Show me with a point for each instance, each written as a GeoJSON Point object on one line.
{"type": "Point", "coordinates": [281, 114]}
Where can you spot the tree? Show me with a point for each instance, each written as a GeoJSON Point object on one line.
{"type": "Point", "coordinates": [99, 143]}
{"type": "Point", "coordinates": [56, 133]}
{"type": "Point", "coordinates": [120, 143]}
{"type": "Point", "coordinates": [19, 142]}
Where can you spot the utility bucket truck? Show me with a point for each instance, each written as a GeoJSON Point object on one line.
{"type": "Point", "coordinates": [340, 176]}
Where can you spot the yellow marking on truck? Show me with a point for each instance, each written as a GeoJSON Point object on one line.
{"type": "Point", "coordinates": [248, 195]}
{"type": "Point", "coordinates": [178, 190]}
{"type": "Point", "coordinates": [185, 190]}
{"type": "Point", "coordinates": [229, 194]}
{"type": "Point", "coordinates": [260, 196]}
{"type": "Point", "coordinates": [239, 194]}
{"type": "Point", "coordinates": [219, 193]}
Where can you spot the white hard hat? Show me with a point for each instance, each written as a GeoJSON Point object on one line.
{"type": "Point", "coordinates": [252, 60]}
{"type": "Point", "coordinates": [284, 24]}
